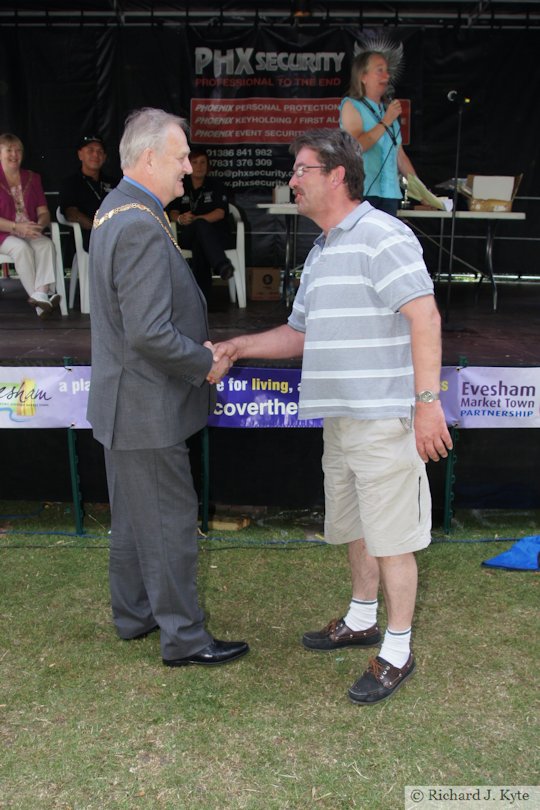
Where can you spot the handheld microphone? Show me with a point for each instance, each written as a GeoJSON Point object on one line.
{"type": "Point", "coordinates": [457, 98]}
{"type": "Point", "coordinates": [389, 97]}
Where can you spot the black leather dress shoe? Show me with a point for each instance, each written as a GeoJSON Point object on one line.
{"type": "Point", "coordinates": [217, 652]}
{"type": "Point", "coordinates": [226, 270]}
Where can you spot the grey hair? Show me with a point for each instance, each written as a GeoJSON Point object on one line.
{"type": "Point", "coordinates": [146, 129]}
{"type": "Point", "coordinates": [334, 148]}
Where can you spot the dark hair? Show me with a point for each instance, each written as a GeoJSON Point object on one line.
{"type": "Point", "coordinates": [334, 148]}
{"type": "Point", "coordinates": [198, 152]}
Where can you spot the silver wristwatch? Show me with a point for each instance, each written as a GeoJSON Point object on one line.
{"type": "Point", "coordinates": [426, 396]}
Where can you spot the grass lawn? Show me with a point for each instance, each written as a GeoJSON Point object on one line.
{"type": "Point", "coordinates": [89, 722]}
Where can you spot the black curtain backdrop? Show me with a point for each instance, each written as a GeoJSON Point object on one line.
{"type": "Point", "coordinates": [57, 83]}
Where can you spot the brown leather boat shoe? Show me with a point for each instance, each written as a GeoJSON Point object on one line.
{"type": "Point", "coordinates": [336, 634]}
{"type": "Point", "coordinates": [380, 680]}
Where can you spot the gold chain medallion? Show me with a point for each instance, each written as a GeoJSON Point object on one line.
{"type": "Point", "coordinates": [98, 221]}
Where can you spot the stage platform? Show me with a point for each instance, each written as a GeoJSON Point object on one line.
{"type": "Point", "coordinates": [472, 330]}
{"type": "Point", "coordinates": [282, 467]}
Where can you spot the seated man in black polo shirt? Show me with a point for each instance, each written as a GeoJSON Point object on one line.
{"type": "Point", "coordinates": [202, 217]}
{"type": "Point", "coordinates": [82, 193]}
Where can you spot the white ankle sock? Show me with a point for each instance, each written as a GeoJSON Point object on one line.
{"type": "Point", "coordinates": [396, 647]}
{"type": "Point", "coordinates": [361, 615]}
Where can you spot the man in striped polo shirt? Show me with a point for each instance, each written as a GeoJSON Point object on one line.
{"type": "Point", "coordinates": [367, 325]}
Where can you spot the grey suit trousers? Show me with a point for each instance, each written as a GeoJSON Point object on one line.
{"type": "Point", "coordinates": [154, 551]}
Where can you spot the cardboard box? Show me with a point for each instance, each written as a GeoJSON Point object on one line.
{"type": "Point", "coordinates": [263, 283]}
{"type": "Point", "coordinates": [491, 193]}
{"type": "Point", "coordinates": [281, 194]}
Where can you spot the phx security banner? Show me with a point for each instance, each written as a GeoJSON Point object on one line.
{"type": "Point", "coordinates": [255, 90]}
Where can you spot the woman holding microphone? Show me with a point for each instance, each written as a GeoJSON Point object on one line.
{"type": "Point", "coordinates": [369, 115]}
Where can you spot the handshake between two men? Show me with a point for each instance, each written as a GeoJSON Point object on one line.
{"type": "Point", "coordinates": [224, 356]}
{"type": "Point", "coordinates": [273, 344]}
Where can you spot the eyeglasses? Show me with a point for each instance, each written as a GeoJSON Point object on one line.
{"type": "Point", "coordinates": [300, 170]}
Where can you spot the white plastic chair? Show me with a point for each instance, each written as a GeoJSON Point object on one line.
{"type": "Point", "coordinates": [236, 255]}
{"type": "Point", "coordinates": [60, 281]}
{"type": "Point", "coordinates": [79, 265]}
{"type": "Point", "coordinates": [59, 268]}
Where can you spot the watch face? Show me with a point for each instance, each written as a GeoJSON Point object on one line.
{"type": "Point", "coordinates": [426, 396]}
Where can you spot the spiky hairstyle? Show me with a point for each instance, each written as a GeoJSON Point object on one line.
{"type": "Point", "coordinates": [365, 47]}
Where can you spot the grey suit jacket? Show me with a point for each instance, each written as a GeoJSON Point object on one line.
{"type": "Point", "coordinates": [148, 323]}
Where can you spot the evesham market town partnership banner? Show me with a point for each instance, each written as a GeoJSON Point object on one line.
{"type": "Point", "coordinates": [472, 397]}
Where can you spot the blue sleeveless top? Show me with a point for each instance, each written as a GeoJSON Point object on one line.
{"type": "Point", "coordinates": [379, 182]}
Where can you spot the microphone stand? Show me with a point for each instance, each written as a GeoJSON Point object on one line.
{"type": "Point", "coordinates": [453, 220]}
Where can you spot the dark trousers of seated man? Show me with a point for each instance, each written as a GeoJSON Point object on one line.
{"type": "Point", "coordinates": [208, 242]}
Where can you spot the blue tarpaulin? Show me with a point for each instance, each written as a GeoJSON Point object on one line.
{"type": "Point", "coordinates": [523, 556]}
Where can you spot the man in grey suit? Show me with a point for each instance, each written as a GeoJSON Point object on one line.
{"type": "Point", "coordinates": [152, 366]}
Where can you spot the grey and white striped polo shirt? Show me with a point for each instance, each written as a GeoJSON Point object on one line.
{"type": "Point", "coordinates": [357, 354]}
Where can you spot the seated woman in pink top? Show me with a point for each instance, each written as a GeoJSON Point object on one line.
{"type": "Point", "coordinates": [23, 216]}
